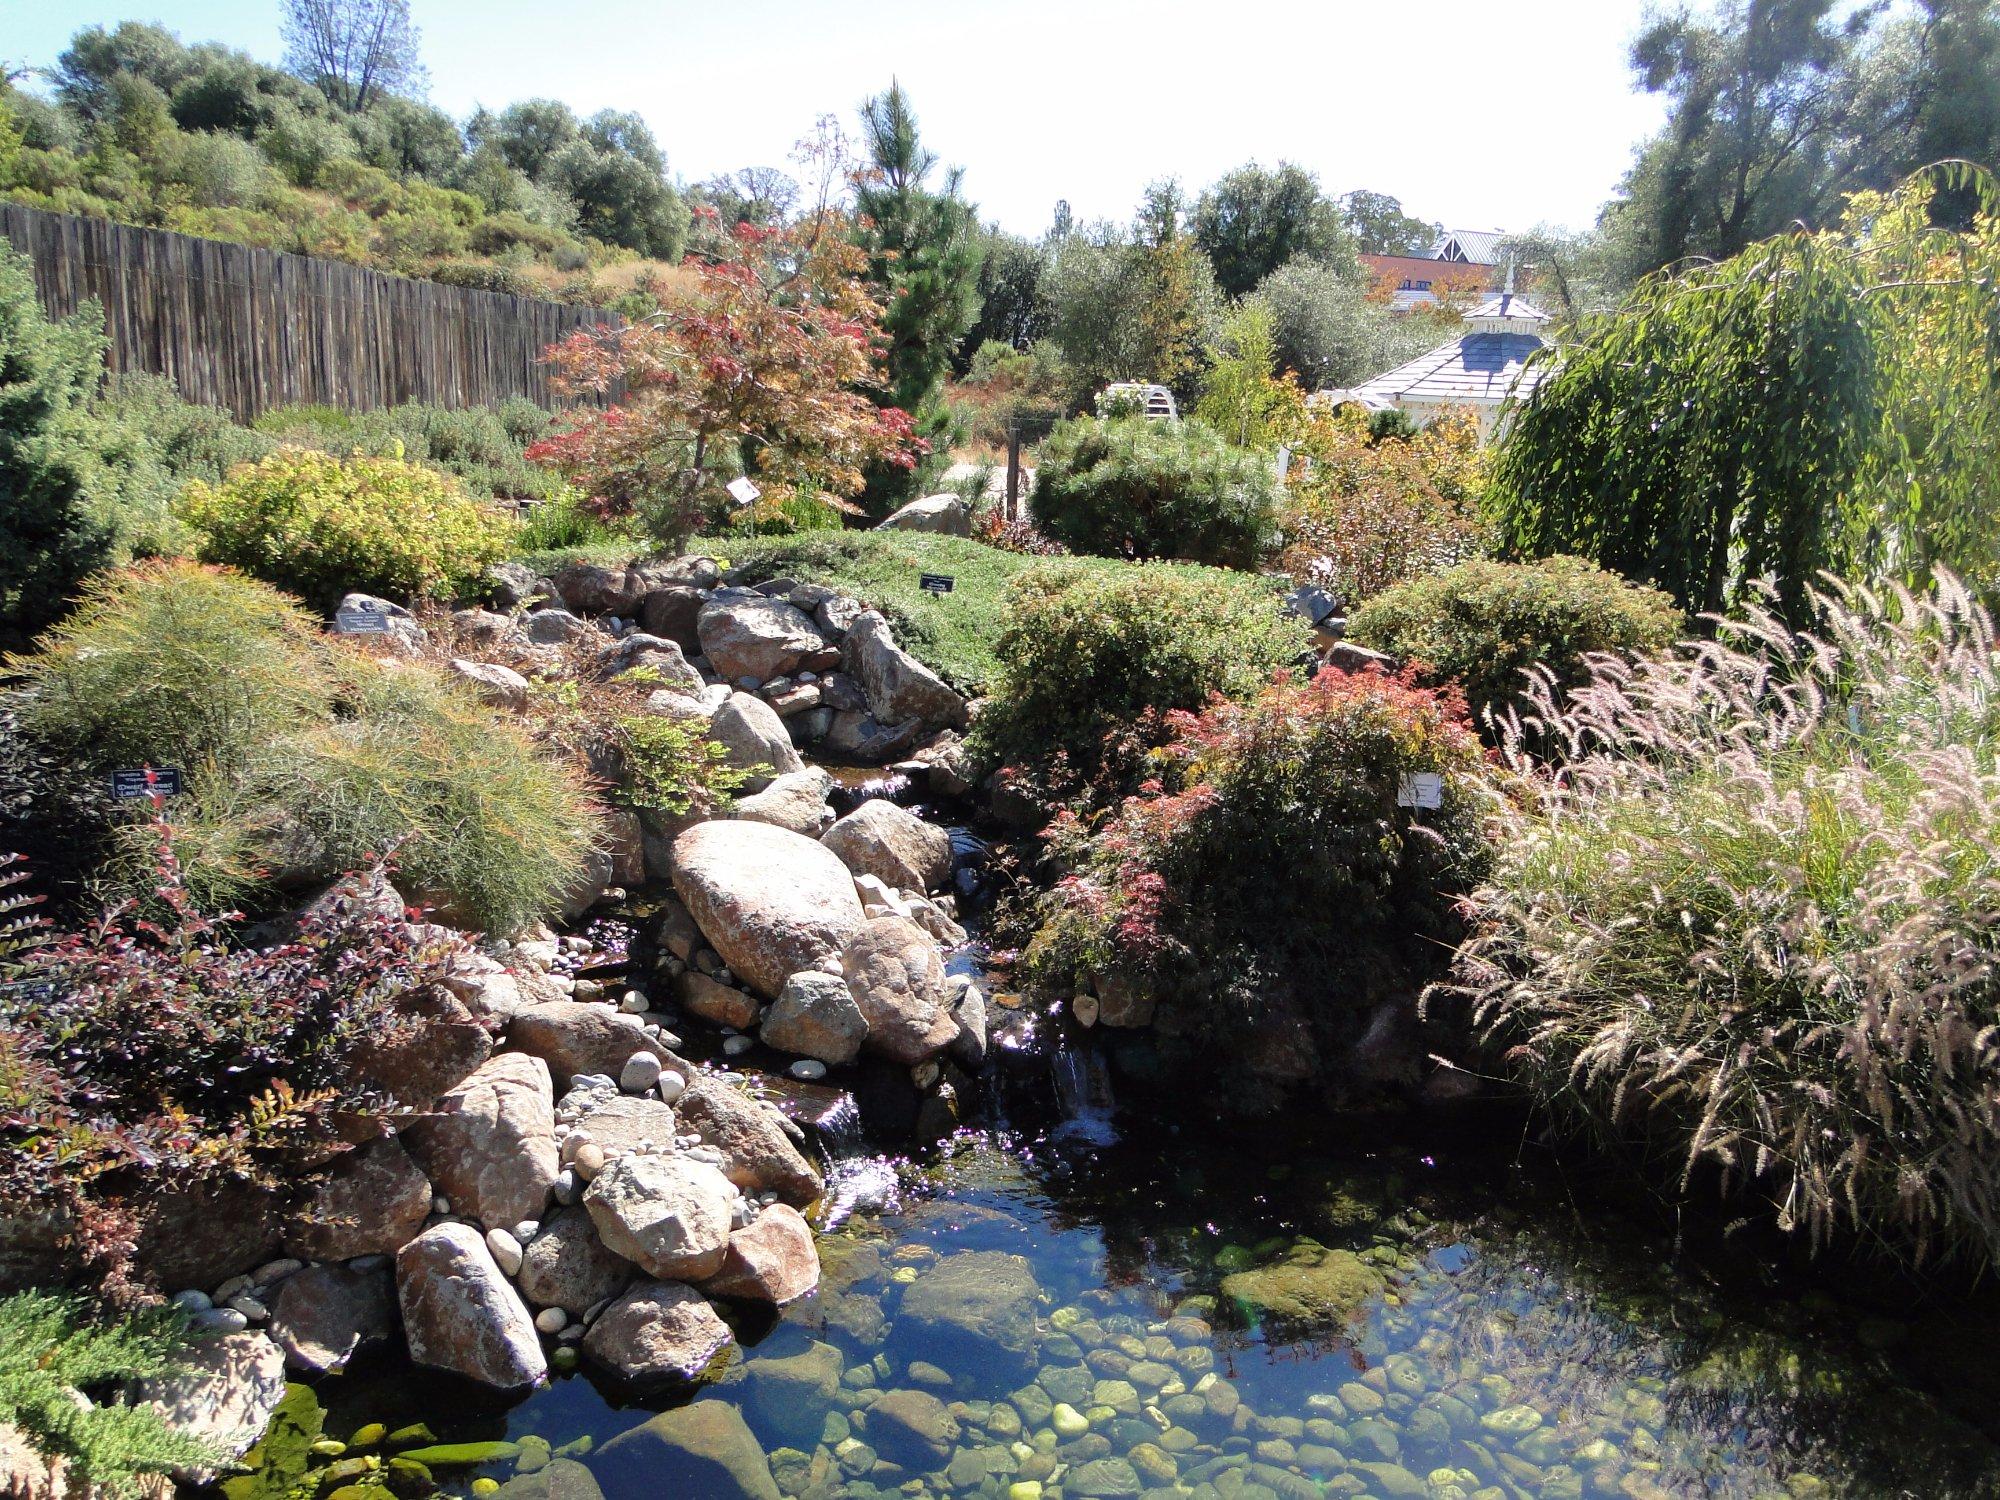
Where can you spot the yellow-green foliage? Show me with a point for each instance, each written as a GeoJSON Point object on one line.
{"type": "Point", "coordinates": [322, 525]}
{"type": "Point", "coordinates": [303, 755]}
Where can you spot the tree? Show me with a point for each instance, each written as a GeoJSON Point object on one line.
{"type": "Point", "coordinates": [1176, 300]}
{"type": "Point", "coordinates": [1255, 219]}
{"type": "Point", "coordinates": [353, 50]}
{"type": "Point", "coordinates": [1243, 398]}
{"type": "Point", "coordinates": [1819, 402]}
{"type": "Point", "coordinates": [1013, 304]}
{"type": "Point", "coordinates": [770, 349]}
{"type": "Point", "coordinates": [1380, 227]}
{"type": "Point", "coordinates": [924, 257]}
{"type": "Point", "coordinates": [1326, 326]}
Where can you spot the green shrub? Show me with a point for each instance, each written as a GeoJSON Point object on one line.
{"type": "Point", "coordinates": [482, 446]}
{"type": "Point", "coordinates": [1750, 928]}
{"type": "Point", "coordinates": [1484, 625]}
{"type": "Point", "coordinates": [1091, 657]}
{"type": "Point", "coordinates": [483, 276]}
{"type": "Point", "coordinates": [1269, 894]}
{"type": "Point", "coordinates": [151, 444]}
{"type": "Point", "coordinates": [1129, 487]}
{"type": "Point", "coordinates": [323, 526]}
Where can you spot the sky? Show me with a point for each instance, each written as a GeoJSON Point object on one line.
{"type": "Point", "coordinates": [1478, 114]}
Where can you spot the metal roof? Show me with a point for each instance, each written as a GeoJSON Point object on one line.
{"type": "Point", "coordinates": [1476, 245]}
{"type": "Point", "coordinates": [1480, 369]}
{"type": "Point", "coordinates": [1509, 305]}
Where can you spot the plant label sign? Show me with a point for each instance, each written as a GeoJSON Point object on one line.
{"type": "Point", "coordinates": [363, 619]}
{"type": "Point", "coordinates": [1424, 789]}
{"type": "Point", "coordinates": [32, 990]}
{"type": "Point", "coordinates": [937, 583]}
{"type": "Point", "coordinates": [743, 491]}
{"type": "Point", "coordinates": [127, 786]}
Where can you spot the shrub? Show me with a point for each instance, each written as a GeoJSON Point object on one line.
{"type": "Point", "coordinates": [1484, 625]}
{"type": "Point", "coordinates": [1269, 886]}
{"type": "Point", "coordinates": [1751, 925]}
{"type": "Point", "coordinates": [1129, 487]}
{"type": "Point", "coordinates": [483, 276]}
{"type": "Point", "coordinates": [322, 526]}
{"type": "Point", "coordinates": [150, 445]}
{"type": "Point", "coordinates": [54, 1346]}
{"type": "Point", "coordinates": [1363, 514]}
{"type": "Point", "coordinates": [1090, 658]}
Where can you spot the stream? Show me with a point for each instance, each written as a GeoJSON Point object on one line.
{"type": "Point", "coordinates": [1412, 1312]}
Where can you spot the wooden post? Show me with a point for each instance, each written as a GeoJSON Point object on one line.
{"type": "Point", "coordinates": [1013, 507]}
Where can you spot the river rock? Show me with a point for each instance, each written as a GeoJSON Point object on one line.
{"type": "Point", "coordinates": [223, 1391]}
{"type": "Point", "coordinates": [373, 1202]}
{"type": "Point", "coordinates": [771, 1259]}
{"type": "Point", "coordinates": [574, 1036]}
{"type": "Point", "coordinates": [790, 1396]}
{"type": "Point", "coordinates": [671, 613]}
{"type": "Point", "coordinates": [668, 1215]}
{"type": "Point", "coordinates": [621, 1124]}
{"type": "Point", "coordinates": [815, 1016]}
{"type": "Point", "coordinates": [893, 844]}
{"type": "Point", "coordinates": [1309, 1285]}
{"type": "Point", "coordinates": [324, 1315]}
{"type": "Point", "coordinates": [703, 1449]}
{"type": "Point", "coordinates": [747, 635]}
{"type": "Point", "coordinates": [758, 1154]}
{"type": "Point", "coordinates": [559, 1479]}
{"type": "Point", "coordinates": [940, 515]}
{"type": "Point", "coordinates": [912, 1428]}
{"type": "Point", "coordinates": [769, 901]}
{"type": "Point", "coordinates": [897, 978]}
{"type": "Point", "coordinates": [460, 1314]}
{"type": "Point", "coordinates": [490, 1147]}
{"type": "Point", "coordinates": [972, 1310]}
{"type": "Point", "coordinates": [795, 801]}
{"type": "Point", "coordinates": [659, 1333]}
{"type": "Point", "coordinates": [721, 1004]}
{"type": "Point", "coordinates": [898, 686]}
{"type": "Point", "coordinates": [755, 737]}
{"type": "Point", "coordinates": [566, 1265]}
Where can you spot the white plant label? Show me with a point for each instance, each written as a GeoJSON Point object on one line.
{"type": "Point", "coordinates": [743, 491]}
{"type": "Point", "coordinates": [1424, 789]}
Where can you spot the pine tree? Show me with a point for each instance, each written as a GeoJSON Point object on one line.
{"type": "Point", "coordinates": [924, 253]}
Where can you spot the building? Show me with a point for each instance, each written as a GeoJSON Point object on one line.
{"type": "Point", "coordinates": [1460, 265]}
{"type": "Point", "coordinates": [1480, 370]}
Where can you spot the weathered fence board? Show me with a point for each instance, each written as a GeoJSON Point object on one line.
{"type": "Point", "coordinates": [251, 329]}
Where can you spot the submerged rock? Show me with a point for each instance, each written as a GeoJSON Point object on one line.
{"type": "Point", "coordinates": [973, 1310]}
{"type": "Point", "coordinates": [705, 1449]}
{"type": "Point", "coordinates": [460, 1314]}
{"type": "Point", "coordinates": [791, 1396]}
{"type": "Point", "coordinates": [660, 1333]}
{"type": "Point", "coordinates": [913, 1428]}
{"type": "Point", "coordinates": [769, 901]}
{"type": "Point", "coordinates": [1312, 1284]}
{"type": "Point", "coordinates": [559, 1479]}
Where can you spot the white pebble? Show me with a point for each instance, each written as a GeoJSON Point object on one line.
{"type": "Point", "coordinates": [440, 1204]}
{"type": "Point", "coordinates": [526, 1230]}
{"type": "Point", "coordinates": [672, 1085]}
{"type": "Point", "coordinates": [193, 1301]}
{"type": "Point", "coordinates": [506, 1251]}
{"type": "Point", "coordinates": [250, 1307]}
{"type": "Point", "coordinates": [551, 1320]}
{"type": "Point", "coordinates": [633, 1004]}
{"type": "Point", "coordinates": [807, 1068]}
{"type": "Point", "coordinates": [736, 1046]}
{"type": "Point", "coordinates": [640, 1073]}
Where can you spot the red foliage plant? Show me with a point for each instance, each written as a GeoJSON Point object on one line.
{"type": "Point", "coordinates": [771, 346]}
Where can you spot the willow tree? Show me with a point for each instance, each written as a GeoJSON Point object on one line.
{"type": "Point", "coordinates": [1821, 402]}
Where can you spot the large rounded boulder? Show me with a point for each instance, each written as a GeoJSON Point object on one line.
{"type": "Point", "coordinates": [770, 901]}
{"type": "Point", "coordinates": [893, 844]}
{"type": "Point", "coordinates": [747, 635]}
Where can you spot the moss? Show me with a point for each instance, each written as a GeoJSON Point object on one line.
{"type": "Point", "coordinates": [1310, 1285]}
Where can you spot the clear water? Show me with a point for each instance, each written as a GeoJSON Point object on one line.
{"type": "Point", "coordinates": [1515, 1338]}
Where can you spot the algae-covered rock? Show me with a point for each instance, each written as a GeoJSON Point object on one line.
{"type": "Point", "coordinates": [1311, 1284]}
{"type": "Point", "coordinates": [974, 1310]}
{"type": "Point", "coordinates": [706, 1449]}
{"type": "Point", "coordinates": [1104, 1478]}
{"type": "Point", "coordinates": [560, 1479]}
{"type": "Point", "coordinates": [912, 1428]}
{"type": "Point", "coordinates": [791, 1397]}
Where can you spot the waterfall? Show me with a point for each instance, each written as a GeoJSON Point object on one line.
{"type": "Point", "coordinates": [855, 1180]}
{"type": "Point", "coordinates": [1083, 1093]}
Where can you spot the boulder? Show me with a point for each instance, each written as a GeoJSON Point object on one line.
{"type": "Point", "coordinates": [912, 1428]}
{"type": "Point", "coordinates": [668, 1215]}
{"type": "Point", "coordinates": [815, 1016]}
{"type": "Point", "coordinates": [624, 845]}
{"type": "Point", "coordinates": [373, 1202]}
{"type": "Point", "coordinates": [656, 654]}
{"type": "Point", "coordinates": [898, 686]}
{"type": "Point", "coordinates": [433, 1042]}
{"type": "Point", "coordinates": [222, 1391]}
{"type": "Point", "coordinates": [769, 901]}
{"type": "Point", "coordinates": [894, 845]}
{"type": "Point", "coordinates": [721, 1004]}
{"type": "Point", "coordinates": [972, 1310]}
{"type": "Point", "coordinates": [460, 1314]}
{"type": "Point", "coordinates": [860, 739]}
{"type": "Point", "coordinates": [400, 634]}
{"type": "Point", "coordinates": [690, 571]}
{"type": "Point", "coordinates": [574, 1036]}
{"type": "Point", "coordinates": [201, 1231]}
{"type": "Point", "coordinates": [324, 1315]}
{"type": "Point", "coordinates": [559, 1479]}
{"type": "Point", "coordinates": [512, 584]}
{"type": "Point", "coordinates": [836, 615]}
{"type": "Point", "coordinates": [500, 686]}
{"type": "Point", "coordinates": [771, 1259]}
{"type": "Point", "coordinates": [758, 1154]}
{"type": "Point", "coordinates": [490, 1147]}
{"type": "Point", "coordinates": [558, 627]}
{"type": "Point", "coordinates": [747, 635]}
{"type": "Point", "coordinates": [622, 1123]}
{"type": "Point", "coordinates": [704, 1449]}
{"type": "Point", "coordinates": [670, 613]}
{"type": "Point", "coordinates": [795, 801]}
{"type": "Point", "coordinates": [942, 515]}
{"type": "Point", "coordinates": [755, 737]}
{"type": "Point", "coordinates": [893, 969]}
{"type": "Point", "coordinates": [969, 1011]}
{"type": "Point", "coordinates": [790, 1395]}
{"type": "Point", "coordinates": [1309, 1285]}
{"type": "Point", "coordinates": [566, 1265]}
{"type": "Point", "coordinates": [1121, 1003]}
{"type": "Point", "coordinates": [660, 1333]}
{"type": "Point", "coordinates": [591, 589]}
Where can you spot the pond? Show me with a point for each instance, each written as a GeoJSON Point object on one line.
{"type": "Point", "coordinates": [1071, 1301]}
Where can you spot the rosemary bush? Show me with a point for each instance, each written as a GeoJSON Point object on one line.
{"type": "Point", "coordinates": [1754, 924]}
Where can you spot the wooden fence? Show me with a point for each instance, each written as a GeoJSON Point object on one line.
{"type": "Point", "coordinates": [251, 329]}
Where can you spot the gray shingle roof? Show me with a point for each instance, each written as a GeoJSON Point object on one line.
{"type": "Point", "coordinates": [1483, 368]}
{"type": "Point", "coordinates": [1508, 305]}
